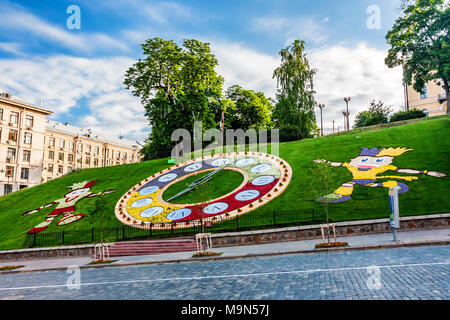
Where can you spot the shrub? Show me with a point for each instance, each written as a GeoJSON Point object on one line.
{"type": "Point", "coordinates": [405, 115]}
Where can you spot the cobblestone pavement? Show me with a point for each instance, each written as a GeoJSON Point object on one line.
{"type": "Point", "coordinates": [398, 273]}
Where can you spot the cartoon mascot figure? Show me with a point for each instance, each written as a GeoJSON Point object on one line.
{"type": "Point", "coordinates": [66, 205]}
{"type": "Point", "coordinates": [365, 170]}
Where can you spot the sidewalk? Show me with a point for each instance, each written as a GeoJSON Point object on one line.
{"type": "Point", "coordinates": [373, 241]}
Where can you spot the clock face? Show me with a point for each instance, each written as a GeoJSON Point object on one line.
{"type": "Point", "coordinates": [265, 177]}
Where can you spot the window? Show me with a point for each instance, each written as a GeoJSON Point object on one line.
{"type": "Point", "coordinates": [424, 93]}
{"type": "Point", "coordinates": [71, 145]}
{"type": "Point", "coordinates": [24, 173]}
{"type": "Point", "coordinates": [69, 168]}
{"type": "Point", "coordinates": [27, 138]}
{"type": "Point", "coordinates": [8, 188]}
{"type": "Point", "coordinates": [12, 135]}
{"type": "Point", "coordinates": [22, 186]}
{"type": "Point", "coordinates": [61, 156]}
{"type": "Point", "coordinates": [70, 157]}
{"type": "Point", "coordinates": [0, 133]}
{"type": "Point", "coordinates": [29, 121]}
{"type": "Point", "coordinates": [95, 162]}
{"type": "Point", "coordinates": [88, 149]}
{"type": "Point", "coordinates": [60, 169]}
{"type": "Point", "coordinates": [118, 155]}
{"type": "Point", "coordinates": [26, 155]}
{"type": "Point", "coordinates": [1, 114]}
{"type": "Point", "coordinates": [9, 172]}
{"type": "Point", "coordinates": [51, 154]}
{"type": "Point", "coordinates": [62, 143]}
{"type": "Point", "coordinates": [79, 159]}
{"type": "Point", "coordinates": [125, 156]}
{"type": "Point", "coordinates": [11, 155]}
{"type": "Point", "coordinates": [50, 168]}
{"type": "Point", "coordinates": [14, 117]}
{"type": "Point", "coordinates": [96, 151]}
{"type": "Point", "coordinates": [88, 160]}
{"type": "Point", "coordinates": [51, 142]}
{"type": "Point", "coordinates": [80, 147]}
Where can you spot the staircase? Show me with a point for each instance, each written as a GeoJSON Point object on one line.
{"type": "Point", "coordinates": [138, 248]}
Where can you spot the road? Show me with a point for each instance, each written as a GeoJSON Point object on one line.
{"type": "Point", "coordinates": [400, 273]}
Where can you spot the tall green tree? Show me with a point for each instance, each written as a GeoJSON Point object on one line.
{"type": "Point", "coordinates": [176, 85]}
{"type": "Point", "coordinates": [250, 109]}
{"type": "Point", "coordinates": [376, 114]}
{"type": "Point", "coordinates": [295, 96]}
{"type": "Point", "coordinates": [420, 43]}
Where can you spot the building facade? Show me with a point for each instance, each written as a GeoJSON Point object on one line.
{"type": "Point", "coordinates": [34, 149]}
{"type": "Point", "coordinates": [432, 100]}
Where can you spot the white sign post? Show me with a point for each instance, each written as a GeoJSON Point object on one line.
{"type": "Point", "coordinates": [394, 217]}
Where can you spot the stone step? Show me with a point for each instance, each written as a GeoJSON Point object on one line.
{"type": "Point", "coordinates": [148, 247]}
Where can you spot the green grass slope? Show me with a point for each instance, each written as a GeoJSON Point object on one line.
{"type": "Point", "coordinates": [427, 195]}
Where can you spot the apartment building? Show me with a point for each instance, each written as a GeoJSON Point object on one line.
{"type": "Point", "coordinates": [432, 99]}
{"type": "Point", "coordinates": [34, 149]}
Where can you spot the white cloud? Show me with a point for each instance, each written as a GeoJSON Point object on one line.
{"type": "Point", "coordinates": [11, 47]}
{"type": "Point", "coordinates": [91, 90]}
{"type": "Point", "coordinates": [246, 67]}
{"type": "Point", "coordinates": [304, 28]}
{"type": "Point", "coordinates": [20, 20]}
{"type": "Point", "coordinates": [357, 72]}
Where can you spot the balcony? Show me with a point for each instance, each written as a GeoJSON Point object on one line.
{"type": "Point", "coordinates": [441, 97]}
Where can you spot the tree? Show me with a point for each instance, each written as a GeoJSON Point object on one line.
{"type": "Point", "coordinates": [250, 109]}
{"type": "Point", "coordinates": [295, 96]}
{"type": "Point", "coordinates": [420, 43]}
{"type": "Point", "coordinates": [376, 114]}
{"type": "Point", "coordinates": [176, 85]}
{"type": "Point", "coordinates": [323, 180]}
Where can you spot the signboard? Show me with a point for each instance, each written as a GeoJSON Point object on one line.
{"type": "Point", "coordinates": [394, 217]}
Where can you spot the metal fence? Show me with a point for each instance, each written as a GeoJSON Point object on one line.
{"type": "Point", "coordinates": [249, 221]}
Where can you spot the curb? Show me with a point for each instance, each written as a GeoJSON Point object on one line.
{"type": "Point", "coordinates": [251, 255]}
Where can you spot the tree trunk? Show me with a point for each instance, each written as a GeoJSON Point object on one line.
{"type": "Point", "coordinates": [447, 96]}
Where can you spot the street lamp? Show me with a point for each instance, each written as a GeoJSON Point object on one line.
{"type": "Point", "coordinates": [333, 125]}
{"type": "Point", "coordinates": [345, 119]}
{"type": "Point", "coordinates": [347, 99]}
{"type": "Point", "coordinates": [321, 106]}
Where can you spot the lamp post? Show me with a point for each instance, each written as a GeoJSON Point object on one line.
{"type": "Point", "coordinates": [347, 99]}
{"type": "Point", "coordinates": [345, 119]}
{"type": "Point", "coordinates": [321, 106]}
{"type": "Point", "coordinates": [333, 125]}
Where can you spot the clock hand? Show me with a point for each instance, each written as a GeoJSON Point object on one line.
{"type": "Point", "coordinates": [198, 182]}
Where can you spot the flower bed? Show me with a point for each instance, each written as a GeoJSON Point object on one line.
{"type": "Point", "coordinates": [331, 245]}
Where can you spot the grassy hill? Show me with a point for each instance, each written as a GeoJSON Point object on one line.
{"type": "Point", "coordinates": [427, 195]}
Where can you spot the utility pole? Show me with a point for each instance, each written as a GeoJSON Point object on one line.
{"type": "Point", "coordinates": [347, 99]}
{"type": "Point", "coordinates": [321, 106]}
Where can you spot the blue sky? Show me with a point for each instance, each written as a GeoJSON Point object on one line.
{"type": "Point", "coordinates": [78, 74]}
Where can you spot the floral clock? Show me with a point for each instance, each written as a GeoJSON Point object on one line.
{"type": "Point", "coordinates": [265, 177]}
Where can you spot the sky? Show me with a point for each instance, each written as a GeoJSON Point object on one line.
{"type": "Point", "coordinates": [78, 73]}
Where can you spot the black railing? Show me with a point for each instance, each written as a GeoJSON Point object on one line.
{"type": "Point", "coordinates": [249, 221]}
